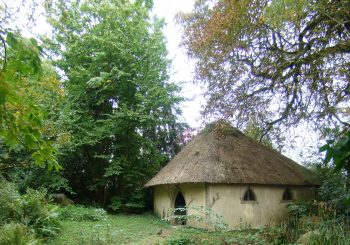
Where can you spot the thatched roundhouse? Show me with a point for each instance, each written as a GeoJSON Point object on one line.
{"type": "Point", "coordinates": [223, 173]}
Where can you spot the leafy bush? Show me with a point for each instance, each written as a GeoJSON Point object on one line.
{"type": "Point", "coordinates": [38, 214]}
{"type": "Point", "coordinates": [247, 237]}
{"type": "Point", "coordinates": [274, 235]}
{"type": "Point", "coordinates": [331, 234]}
{"type": "Point", "coordinates": [30, 209]}
{"type": "Point", "coordinates": [81, 213]}
{"type": "Point", "coordinates": [301, 209]}
{"type": "Point", "coordinates": [35, 178]}
{"type": "Point", "coordinates": [180, 240]}
{"type": "Point", "coordinates": [334, 191]}
{"type": "Point", "coordinates": [321, 222]}
{"type": "Point", "coordinates": [134, 204]}
{"type": "Point", "coordinates": [16, 234]}
{"type": "Point", "coordinates": [9, 201]}
{"type": "Point", "coordinates": [116, 203]}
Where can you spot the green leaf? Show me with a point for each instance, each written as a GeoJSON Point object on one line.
{"type": "Point", "coordinates": [324, 148]}
{"type": "Point", "coordinates": [95, 82]}
{"type": "Point", "coordinates": [30, 141]}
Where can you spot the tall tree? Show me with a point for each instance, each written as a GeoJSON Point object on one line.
{"type": "Point", "coordinates": [279, 63]}
{"type": "Point", "coordinates": [121, 110]}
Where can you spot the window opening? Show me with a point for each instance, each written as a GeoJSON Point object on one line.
{"type": "Point", "coordinates": [287, 195]}
{"type": "Point", "coordinates": [249, 195]}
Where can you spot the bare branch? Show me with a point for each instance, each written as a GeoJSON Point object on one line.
{"type": "Point", "coordinates": [5, 53]}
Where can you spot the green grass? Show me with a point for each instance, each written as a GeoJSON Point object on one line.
{"type": "Point", "coordinates": [142, 229]}
{"type": "Point", "coordinates": [115, 229]}
{"type": "Point", "coordinates": [91, 226]}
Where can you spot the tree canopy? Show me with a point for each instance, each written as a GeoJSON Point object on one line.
{"type": "Point", "coordinates": [274, 63]}
{"type": "Point", "coordinates": [121, 110]}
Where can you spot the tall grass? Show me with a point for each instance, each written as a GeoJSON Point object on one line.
{"type": "Point", "coordinates": [23, 217]}
{"type": "Point", "coordinates": [16, 234]}
{"type": "Point", "coordinates": [331, 233]}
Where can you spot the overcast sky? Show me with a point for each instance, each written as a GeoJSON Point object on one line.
{"type": "Point", "coordinates": [182, 68]}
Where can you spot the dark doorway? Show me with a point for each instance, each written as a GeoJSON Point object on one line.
{"type": "Point", "coordinates": [180, 209]}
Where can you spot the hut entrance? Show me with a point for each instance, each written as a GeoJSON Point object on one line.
{"type": "Point", "coordinates": [180, 209]}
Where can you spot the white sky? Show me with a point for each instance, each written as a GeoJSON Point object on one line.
{"type": "Point", "coordinates": [182, 68]}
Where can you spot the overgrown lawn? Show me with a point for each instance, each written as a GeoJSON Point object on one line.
{"type": "Point", "coordinates": [114, 229]}
{"type": "Point", "coordinates": [139, 229]}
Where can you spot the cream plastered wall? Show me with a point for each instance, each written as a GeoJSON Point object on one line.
{"type": "Point", "coordinates": [225, 201]}
{"type": "Point", "coordinates": [194, 194]}
{"type": "Point", "coordinates": [269, 208]}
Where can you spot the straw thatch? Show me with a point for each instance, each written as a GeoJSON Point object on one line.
{"type": "Point", "coordinates": [228, 156]}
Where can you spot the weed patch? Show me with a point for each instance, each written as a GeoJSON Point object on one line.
{"type": "Point", "coordinates": [81, 213]}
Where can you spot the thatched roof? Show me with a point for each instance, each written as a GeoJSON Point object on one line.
{"type": "Point", "coordinates": [228, 156]}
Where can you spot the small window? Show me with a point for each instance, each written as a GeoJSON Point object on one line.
{"type": "Point", "coordinates": [249, 195]}
{"type": "Point", "coordinates": [287, 195]}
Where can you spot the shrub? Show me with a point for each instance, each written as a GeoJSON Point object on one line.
{"type": "Point", "coordinates": [9, 201]}
{"type": "Point", "coordinates": [35, 178]}
{"type": "Point", "coordinates": [16, 234]}
{"type": "Point", "coordinates": [116, 203]}
{"type": "Point", "coordinates": [320, 222]}
{"type": "Point", "coordinates": [335, 193]}
{"type": "Point", "coordinates": [180, 240]}
{"type": "Point", "coordinates": [38, 214]}
{"type": "Point", "coordinates": [276, 235]}
{"type": "Point", "coordinates": [134, 204]}
{"type": "Point", "coordinates": [331, 234]}
{"type": "Point", "coordinates": [81, 213]}
{"type": "Point", "coordinates": [301, 209]}
{"type": "Point", "coordinates": [30, 209]}
{"type": "Point", "coordinates": [247, 237]}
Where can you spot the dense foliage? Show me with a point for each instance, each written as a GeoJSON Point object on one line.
{"type": "Point", "coordinates": [46, 96]}
{"type": "Point", "coordinates": [276, 64]}
{"type": "Point", "coordinates": [338, 151]}
{"type": "Point", "coordinates": [21, 117]}
{"type": "Point", "coordinates": [111, 119]}
{"type": "Point", "coordinates": [16, 234]}
{"type": "Point", "coordinates": [121, 111]}
{"type": "Point", "coordinates": [25, 215]}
